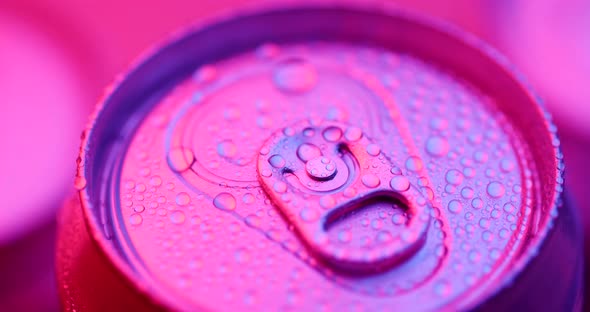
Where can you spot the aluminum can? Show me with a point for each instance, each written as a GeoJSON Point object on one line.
{"type": "Point", "coordinates": [320, 156]}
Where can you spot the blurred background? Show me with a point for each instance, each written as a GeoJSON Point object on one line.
{"type": "Point", "coordinates": [57, 57]}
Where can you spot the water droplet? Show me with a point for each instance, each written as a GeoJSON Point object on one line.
{"type": "Point", "coordinates": [396, 170]}
{"type": "Point", "coordinates": [477, 203]}
{"type": "Point", "coordinates": [487, 236]}
{"type": "Point", "coordinates": [327, 202]}
{"type": "Point", "coordinates": [280, 187]}
{"type": "Point", "coordinates": [384, 237]}
{"type": "Point", "coordinates": [349, 192]}
{"type": "Point", "coordinates": [227, 149]}
{"type": "Point", "coordinates": [509, 207]}
{"type": "Point", "coordinates": [455, 206]}
{"type": "Point", "coordinates": [414, 163]}
{"type": "Point", "coordinates": [266, 173]}
{"type": "Point", "coordinates": [206, 74]}
{"type": "Point", "coordinates": [437, 146]}
{"type": "Point", "coordinates": [370, 180]}
{"type": "Point", "coordinates": [376, 224]}
{"type": "Point", "coordinates": [353, 134]}
{"type": "Point", "coordinates": [345, 236]}
{"type": "Point", "coordinates": [295, 75]}
{"type": "Point", "coordinates": [263, 106]}
{"type": "Point", "coordinates": [442, 288]}
{"type": "Point", "coordinates": [139, 208]}
{"type": "Point", "coordinates": [183, 199]}
{"type": "Point", "coordinates": [180, 159]}
{"type": "Point", "coordinates": [80, 183]}
{"type": "Point", "coordinates": [474, 256]}
{"type": "Point", "coordinates": [469, 172]}
{"type": "Point", "coordinates": [373, 149]}
{"type": "Point", "coordinates": [309, 214]}
{"type": "Point", "coordinates": [231, 114]}
{"type": "Point", "coordinates": [480, 157]}
{"type": "Point", "coordinates": [248, 198]}
{"type": "Point", "coordinates": [264, 122]}
{"type": "Point", "coordinates": [467, 192]}
{"type": "Point", "coordinates": [135, 219]}
{"type": "Point", "coordinates": [484, 223]}
{"type": "Point", "coordinates": [321, 168]}
{"type": "Point", "coordinates": [277, 161]}
{"type": "Point", "coordinates": [177, 217]}
{"type": "Point", "coordinates": [496, 189]}
{"type": "Point", "coordinates": [337, 113]}
{"type": "Point", "coordinates": [268, 51]}
{"type": "Point", "coordinates": [307, 152]}
{"type": "Point", "coordinates": [438, 123]}
{"type": "Point", "coordinates": [332, 134]}
{"type": "Point", "coordinates": [400, 183]}
{"type": "Point", "coordinates": [155, 181]}
{"type": "Point", "coordinates": [398, 219]}
{"type": "Point", "coordinates": [504, 233]}
{"type": "Point", "coordinates": [225, 201]}
{"type": "Point", "coordinates": [507, 165]}
{"type": "Point", "coordinates": [454, 177]}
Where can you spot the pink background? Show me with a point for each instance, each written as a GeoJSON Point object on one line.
{"type": "Point", "coordinates": [57, 57]}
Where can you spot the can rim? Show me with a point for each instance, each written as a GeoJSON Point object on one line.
{"type": "Point", "coordinates": [371, 6]}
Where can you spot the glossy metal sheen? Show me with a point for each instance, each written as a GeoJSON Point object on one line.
{"type": "Point", "coordinates": [343, 157]}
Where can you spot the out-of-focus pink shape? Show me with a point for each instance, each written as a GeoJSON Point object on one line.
{"type": "Point", "coordinates": [41, 113]}
{"type": "Point", "coordinates": [550, 41]}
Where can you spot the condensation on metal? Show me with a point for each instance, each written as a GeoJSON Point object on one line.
{"type": "Point", "coordinates": [191, 214]}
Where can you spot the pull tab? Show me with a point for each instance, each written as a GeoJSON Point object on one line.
{"type": "Point", "coordinates": [318, 174]}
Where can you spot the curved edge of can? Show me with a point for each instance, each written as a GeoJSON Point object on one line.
{"type": "Point", "coordinates": [266, 6]}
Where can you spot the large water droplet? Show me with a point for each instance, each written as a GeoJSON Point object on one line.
{"type": "Point", "coordinates": [370, 180]}
{"type": "Point", "coordinates": [496, 189]}
{"type": "Point", "coordinates": [295, 75]}
{"type": "Point", "coordinates": [327, 202]}
{"type": "Point", "coordinates": [307, 152]}
{"type": "Point", "coordinates": [80, 182]}
{"type": "Point", "coordinates": [135, 219]}
{"type": "Point", "coordinates": [177, 217]}
{"type": "Point", "coordinates": [280, 187]}
{"type": "Point", "coordinates": [248, 198]}
{"type": "Point", "coordinates": [442, 288]}
{"type": "Point", "coordinates": [454, 177]}
{"type": "Point", "coordinates": [437, 146]}
{"type": "Point", "coordinates": [414, 163]}
{"type": "Point", "coordinates": [455, 206]}
{"type": "Point", "coordinates": [373, 149]}
{"type": "Point", "coordinates": [227, 149]}
{"type": "Point", "coordinates": [183, 199]}
{"type": "Point", "coordinates": [277, 161]}
{"type": "Point", "coordinates": [309, 214]}
{"type": "Point", "coordinates": [225, 201]}
{"type": "Point", "coordinates": [332, 134]}
{"type": "Point", "coordinates": [264, 122]}
{"type": "Point", "coordinates": [180, 159]}
{"type": "Point", "coordinates": [353, 134]}
{"type": "Point", "coordinates": [506, 165]}
{"type": "Point", "coordinates": [400, 183]}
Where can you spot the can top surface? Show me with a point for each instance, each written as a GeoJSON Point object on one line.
{"type": "Point", "coordinates": [340, 157]}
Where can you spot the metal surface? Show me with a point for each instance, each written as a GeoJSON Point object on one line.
{"type": "Point", "coordinates": [361, 159]}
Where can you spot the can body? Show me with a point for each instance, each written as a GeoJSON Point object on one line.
{"type": "Point", "coordinates": [363, 159]}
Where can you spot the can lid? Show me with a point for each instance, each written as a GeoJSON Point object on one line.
{"type": "Point", "coordinates": [326, 162]}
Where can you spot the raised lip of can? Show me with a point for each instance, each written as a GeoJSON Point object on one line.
{"type": "Point", "coordinates": [433, 25]}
